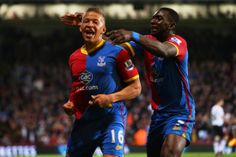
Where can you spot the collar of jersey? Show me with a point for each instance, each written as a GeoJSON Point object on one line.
{"type": "Point", "coordinates": [84, 51]}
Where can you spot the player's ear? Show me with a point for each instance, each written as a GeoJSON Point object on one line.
{"type": "Point", "coordinates": [104, 30]}
{"type": "Point", "coordinates": [172, 26]}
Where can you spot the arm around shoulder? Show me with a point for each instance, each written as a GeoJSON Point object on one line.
{"type": "Point", "coordinates": [162, 49]}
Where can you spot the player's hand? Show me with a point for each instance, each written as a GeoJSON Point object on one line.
{"type": "Point", "coordinates": [102, 100]}
{"type": "Point", "coordinates": [119, 36]}
{"type": "Point", "coordinates": [69, 108]}
{"type": "Point", "coordinates": [72, 19]}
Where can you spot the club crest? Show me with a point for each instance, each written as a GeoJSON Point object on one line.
{"type": "Point", "coordinates": [101, 61]}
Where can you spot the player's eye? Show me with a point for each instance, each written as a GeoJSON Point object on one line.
{"type": "Point", "coordinates": [85, 21]}
{"type": "Point", "coordinates": [159, 18]}
{"type": "Point", "coordinates": [96, 22]}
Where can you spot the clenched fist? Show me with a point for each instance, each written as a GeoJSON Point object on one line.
{"type": "Point", "coordinates": [69, 108]}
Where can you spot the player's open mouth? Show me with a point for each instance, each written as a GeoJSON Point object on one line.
{"type": "Point", "coordinates": [89, 33]}
{"type": "Point", "coordinates": [154, 30]}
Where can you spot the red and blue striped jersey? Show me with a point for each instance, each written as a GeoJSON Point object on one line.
{"type": "Point", "coordinates": [103, 70]}
{"type": "Point", "coordinates": [168, 78]}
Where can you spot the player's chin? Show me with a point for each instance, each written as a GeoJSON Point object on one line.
{"type": "Point", "coordinates": [154, 33]}
{"type": "Point", "coordinates": [88, 38]}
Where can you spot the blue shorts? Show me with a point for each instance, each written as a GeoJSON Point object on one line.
{"type": "Point", "coordinates": [166, 124]}
{"type": "Point", "coordinates": [106, 132]}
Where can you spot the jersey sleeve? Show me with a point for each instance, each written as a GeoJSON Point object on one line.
{"type": "Point", "coordinates": [133, 48]}
{"type": "Point", "coordinates": [180, 45]}
{"type": "Point", "coordinates": [71, 94]}
{"type": "Point", "coordinates": [125, 67]}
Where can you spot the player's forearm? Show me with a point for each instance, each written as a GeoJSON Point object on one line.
{"type": "Point", "coordinates": [154, 46]}
{"type": "Point", "coordinates": [129, 92]}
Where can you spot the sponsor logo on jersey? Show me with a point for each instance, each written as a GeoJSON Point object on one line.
{"type": "Point", "coordinates": [101, 61]}
{"type": "Point", "coordinates": [176, 40]}
{"type": "Point", "coordinates": [82, 88]}
{"type": "Point", "coordinates": [129, 65]}
{"type": "Point", "coordinates": [86, 77]}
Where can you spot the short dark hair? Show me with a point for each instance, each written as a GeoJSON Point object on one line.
{"type": "Point", "coordinates": [96, 10]}
{"type": "Point", "coordinates": [173, 14]}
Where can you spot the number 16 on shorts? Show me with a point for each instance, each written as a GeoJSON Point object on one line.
{"type": "Point", "coordinates": [114, 141]}
{"type": "Point", "coordinates": [117, 135]}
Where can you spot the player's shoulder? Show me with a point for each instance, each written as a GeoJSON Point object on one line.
{"type": "Point", "coordinates": [115, 48]}
{"type": "Point", "coordinates": [177, 39]}
{"type": "Point", "coordinates": [75, 53]}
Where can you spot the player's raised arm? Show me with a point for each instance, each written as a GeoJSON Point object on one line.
{"type": "Point", "coordinates": [163, 49]}
{"type": "Point", "coordinates": [72, 19]}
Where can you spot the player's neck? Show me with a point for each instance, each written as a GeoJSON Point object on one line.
{"type": "Point", "coordinates": [168, 34]}
{"type": "Point", "coordinates": [91, 45]}
{"type": "Point", "coordinates": [164, 36]}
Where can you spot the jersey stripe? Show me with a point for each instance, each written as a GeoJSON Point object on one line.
{"type": "Point", "coordinates": [129, 46]}
{"type": "Point", "coordinates": [84, 51]}
{"type": "Point", "coordinates": [132, 78]}
{"type": "Point", "coordinates": [187, 99]}
{"type": "Point", "coordinates": [177, 49]}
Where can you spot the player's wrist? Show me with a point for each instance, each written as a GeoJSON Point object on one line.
{"type": "Point", "coordinates": [111, 98]}
{"type": "Point", "coordinates": [135, 36]}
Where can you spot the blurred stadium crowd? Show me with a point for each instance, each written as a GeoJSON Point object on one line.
{"type": "Point", "coordinates": [35, 82]}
